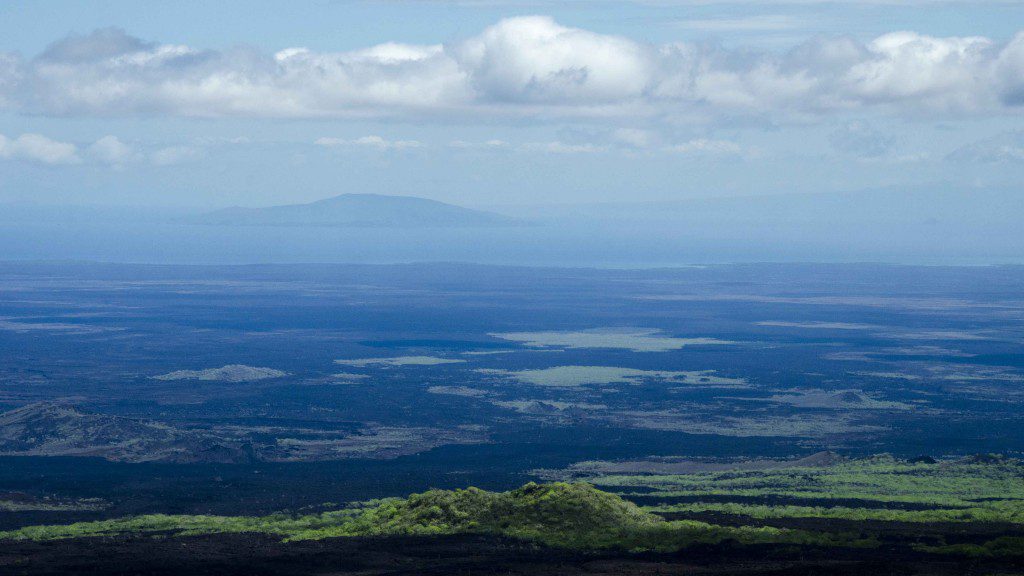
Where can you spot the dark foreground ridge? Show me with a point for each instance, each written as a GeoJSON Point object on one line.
{"type": "Point", "coordinates": [470, 554]}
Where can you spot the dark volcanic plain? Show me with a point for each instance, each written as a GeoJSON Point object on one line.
{"type": "Point", "coordinates": [253, 389]}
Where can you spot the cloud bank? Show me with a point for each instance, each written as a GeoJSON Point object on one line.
{"type": "Point", "coordinates": [38, 148]}
{"type": "Point", "coordinates": [372, 141]}
{"type": "Point", "coordinates": [108, 150]}
{"type": "Point", "coordinates": [526, 66]}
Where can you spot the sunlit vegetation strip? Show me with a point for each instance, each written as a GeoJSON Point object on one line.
{"type": "Point", "coordinates": [978, 489]}
{"type": "Point", "coordinates": [575, 516]}
{"type": "Point", "coordinates": [918, 500]}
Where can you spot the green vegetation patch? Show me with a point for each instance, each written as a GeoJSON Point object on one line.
{"type": "Point", "coordinates": [1002, 546]}
{"type": "Point", "coordinates": [917, 501]}
{"type": "Point", "coordinates": [977, 489]}
{"type": "Point", "coordinates": [575, 516]}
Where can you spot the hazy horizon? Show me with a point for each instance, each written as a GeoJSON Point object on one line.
{"type": "Point", "coordinates": [628, 133]}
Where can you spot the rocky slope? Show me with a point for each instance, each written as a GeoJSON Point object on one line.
{"type": "Point", "coordinates": [50, 429]}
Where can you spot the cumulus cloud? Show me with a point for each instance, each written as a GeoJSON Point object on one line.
{"type": "Point", "coordinates": [944, 73]}
{"type": "Point", "coordinates": [534, 60]}
{"type": "Point", "coordinates": [377, 142]}
{"type": "Point", "coordinates": [111, 150]}
{"type": "Point", "coordinates": [635, 137]}
{"type": "Point", "coordinates": [173, 155]}
{"type": "Point", "coordinates": [493, 144]}
{"type": "Point", "coordinates": [705, 146]}
{"type": "Point", "coordinates": [10, 78]}
{"type": "Point", "coordinates": [1009, 72]}
{"type": "Point", "coordinates": [524, 66]}
{"type": "Point", "coordinates": [861, 139]}
{"type": "Point", "coordinates": [221, 140]}
{"type": "Point", "coordinates": [1007, 147]}
{"type": "Point", "coordinates": [38, 148]}
{"type": "Point", "coordinates": [558, 147]}
{"type": "Point", "coordinates": [758, 23]}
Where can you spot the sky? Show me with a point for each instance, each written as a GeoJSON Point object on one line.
{"type": "Point", "coordinates": [502, 103]}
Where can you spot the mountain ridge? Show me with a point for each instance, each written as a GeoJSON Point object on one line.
{"type": "Point", "coordinates": [359, 211]}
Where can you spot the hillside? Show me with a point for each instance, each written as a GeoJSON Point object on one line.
{"type": "Point", "coordinates": [868, 516]}
{"type": "Point", "coordinates": [50, 429]}
{"type": "Point", "coordinates": [561, 515]}
{"type": "Point", "coordinates": [359, 210]}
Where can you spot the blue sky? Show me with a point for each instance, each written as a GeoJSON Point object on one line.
{"type": "Point", "coordinates": [490, 103]}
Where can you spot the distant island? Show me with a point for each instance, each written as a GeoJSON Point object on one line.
{"type": "Point", "coordinates": [359, 210]}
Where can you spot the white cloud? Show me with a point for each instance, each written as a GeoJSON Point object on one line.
{"type": "Point", "coordinates": [758, 23]}
{"type": "Point", "coordinates": [220, 140]}
{"type": "Point", "coordinates": [1009, 72]}
{"type": "Point", "coordinates": [533, 59]}
{"type": "Point", "coordinates": [525, 66]}
{"type": "Point", "coordinates": [557, 147]}
{"type": "Point", "coordinates": [111, 150]}
{"type": "Point", "coordinates": [705, 146]}
{"type": "Point", "coordinates": [861, 139]}
{"type": "Point", "coordinates": [377, 142]}
{"type": "Point", "coordinates": [493, 144]}
{"type": "Point", "coordinates": [1006, 147]}
{"type": "Point", "coordinates": [174, 155]}
{"type": "Point", "coordinates": [944, 73]}
{"type": "Point", "coordinates": [10, 78]}
{"type": "Point", "coordinates": [635, 137]}
{"type": "Point", "coordinates": [38, 148]}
